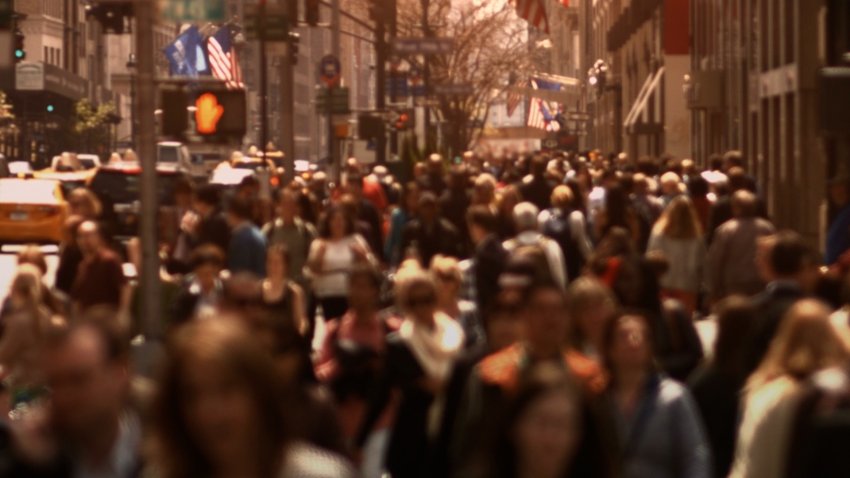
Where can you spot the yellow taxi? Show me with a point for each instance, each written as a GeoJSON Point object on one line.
{"type": "Point", "coordinates": [31, 210]}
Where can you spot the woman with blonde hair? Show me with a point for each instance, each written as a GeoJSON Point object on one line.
{"type": "Point", "coordinates": [418, 361]}
{"type": "Point", "coordinates": [806, 343]}
{"type": "Point", "coordinates": [677, 235]}
{"type": "Point", "coordinates": [447, 276]}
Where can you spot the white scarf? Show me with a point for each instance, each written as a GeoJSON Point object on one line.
{"type": "Point", "coordinates": [435, 348]}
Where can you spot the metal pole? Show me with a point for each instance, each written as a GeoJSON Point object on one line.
{"type": "Point", "coordinates": [336, 49]}
{"type": "Point", "coordinates": [146, 96]}
{"type": "Point", "coordinates": [332, 162]}
{"type": "Point", "coordinates": [287, 114]}
{"type": "Point", "coordinates": [335, 29]}
{"type": "Point", "coordinates": [264, 79]}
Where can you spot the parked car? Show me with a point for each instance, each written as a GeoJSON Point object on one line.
{"type": "Point", "coordinates": [31, 210]}
{"type": "Point", "coordinates": [175, 155]}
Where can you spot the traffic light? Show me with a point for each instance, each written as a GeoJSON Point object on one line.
{"type": "Point", "coordinates": [20, 52]}
{"type": "Point", "coordinates": [404, 121]}
{"type": "Point", "coordinates": [50, 108]}
{"type": "Point", "coordinates": [311, 12]}
{"type": "Point", "coordinates": [220, 114]}
{"type": "Point", "coordinates": [294, 41]}
{"type": "Point", "coordinates": [175, 116]}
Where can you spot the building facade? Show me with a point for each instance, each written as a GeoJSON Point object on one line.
{"type": "Point", "coordinates": [754, 78]}
{"type": "Point", "coordinates": [638, 105]}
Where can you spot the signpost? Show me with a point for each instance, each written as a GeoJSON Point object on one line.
{"type": "Point", "coordinates": [423, 46]}
{"type": "Point", "coordinates": [330, 71]}
{"type": "Point", "coordinates": [190, 10]}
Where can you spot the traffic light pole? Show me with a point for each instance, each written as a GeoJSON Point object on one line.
{"type": "Point", "coordinates": [146, 148]}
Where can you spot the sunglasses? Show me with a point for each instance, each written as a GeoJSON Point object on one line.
{"type": "Point", "coordinates": [424, 300]}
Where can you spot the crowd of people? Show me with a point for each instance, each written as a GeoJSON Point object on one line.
{"type": "Point", "coordinates": [542, 315]}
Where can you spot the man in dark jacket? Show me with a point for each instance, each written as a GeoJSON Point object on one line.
{"type": "Point", "coordinates": [455, 201]}
{"type": "Point", "coordinates": [429, 234]}
{"type": "Point", "coordinates": [793, 270]}
{"type": "Point", "coordinates": [247, 249]}
{"type": "Point", "coordinates": [488, 256]}
{"type": "Point", "coordinates": [212, 226]}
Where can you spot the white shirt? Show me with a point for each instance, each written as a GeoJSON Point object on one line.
{"type": "Point", "coordinates": [332, 281]}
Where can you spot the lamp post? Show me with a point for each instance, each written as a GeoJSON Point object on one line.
{"type": "Point", "coordinates": [131, 68]}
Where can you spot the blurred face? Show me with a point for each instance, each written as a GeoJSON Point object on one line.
{"type": "Point", "coordinates": [547, 434]}
{"type": "Point", "coordinates": [546, 321]}
{"type": "Point", "coordinates": [362, 294]}
{"type": "Point", "coordinates": [411, 200]}
{"type": "Point", "coordinates": [422, 304]}
{"type": "Point", "coordinates": [88, 238]}
{"type": "Point", "coordinates": [503, 330]}
{"type": "Point", "coordinates": [448, 285]}
{"type": "Point", "coordinates": [288, 207]}
{"type": "Point", "coordinates": [206, 275]}
{"type": "Point", "coordinates": [219, 410]}
{"type": "Point", "coordinates": [87, 389]}
{"type": "Point", "coordinates": [337, 225]}
{"type": "Point", "coordinates": [630, 347]}
{"type": "Point", "coordinates": [275, 265]}
{"type": "Point", "coordinates": [428, 211]}
{"type": "Point", "coordinates": [592, 320]}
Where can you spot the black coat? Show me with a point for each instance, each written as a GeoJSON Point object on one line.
{"type": "Point", "coordinates": [453, 206]}
{"type": "Point", "coordinates": [213, 229]}
{"type": "Point", "coordinates": [537, 191]}
{"type": "Point", "coordinates": [489, 260]}
{"type": "Point", "coordinates": [409, 452]}
{"type": "Point", "coordinates": [716, 394]}
{"type": "Point", "coordinates": [440, 238]}
{"type": "Point", "coordinates": [772, 304]}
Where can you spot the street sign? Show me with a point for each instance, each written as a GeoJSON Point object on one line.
{"type": "Point", "coordinates": [462, 89]}
{"type": "Point", "coordinates": [276, 21]}
{"type": "Point", "coordinates": [339, 99]}
{"type": "Point", "coordinates": [330, 70]}
{"type": "Point", "coordinates": [423, 46]}
{"type": "Point", "coordinates": [193, 10]}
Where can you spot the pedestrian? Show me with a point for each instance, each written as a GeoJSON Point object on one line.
{"type": "Point", "coordinates": [218, 411]}
{"type": "Point", "coordinates": [730, 264]}
{"type": "Point", "coordinates": [293, 232]}
{"type": "Point", "coordinates": [247, 249]}
{"type": "Point", "coordinates": [399, 218]}
{"type": "Point", "coordinates": [100, 279]}
{"type": "Point", "coordinates": [419, 359]}
{"type": "Point", "coordinates": [455, 201]}
{"type": "Point", "coordinates": [806, 343]}
{"type": "Point", "coordinates": [202, 289]}
{"type": "Point", "coordinates": [211, 225]}
{"type": "Point", "coordinates": [536, 188]}
{"type": "Point", "coordinates": [489, 257]}
{"type": "Point", "coordinates": [838, 233]}
{"type": "Point", "coordinates": [658, 426]}
{"type": "Point", "coordinates": [718, 383]}
{"type": "Point", "coordinates": [447, 276]}
{"type": "Point", "coordinates": [591, 306]}
{"type": "Point", "coordinates": [429, 234]}
{"type": "Point", "coordinates": [70, 255]}
{"type": "Point", "coordinates": [678, 237]}
{"type": "Point", "coordinates": [283, 297]}
{"type": "Point", "coordinates": [55, 300]}
{"type": "Point", "coordinates": [529, 237]}
{"type": "Point", "coordinates": [546, 432]}
{"type": "Point", "coordinates": [564, 222]}
{"type": "Point", "coordinates": [332, 256]}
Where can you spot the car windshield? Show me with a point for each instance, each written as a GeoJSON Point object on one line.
{"type": "Point", "coordinates": [23, 191]}
{"type": "Point", "coordinates": [120, 187]}
{"type": "Point", "coordinates": [168, 154]}
{"type": "Point", "coordinates": [88, 163]}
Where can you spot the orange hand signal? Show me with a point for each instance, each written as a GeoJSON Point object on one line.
{"type": "Point", "coordinates": [207, 113]}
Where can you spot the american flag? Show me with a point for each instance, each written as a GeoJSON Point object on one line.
{"type": "Point", "coordinates": [542, 114]}
{"type": "Point", "coordinates": [534, 12]}
{"type": "Point", "coordinates": [515, 96]}
{"type": "Point", "coordinates": [223, 60]}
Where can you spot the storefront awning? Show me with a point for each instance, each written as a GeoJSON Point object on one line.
{"type": "Point", "coordinates": [645, 116]}
{"type": "Point", "coordinates": [37, 76]}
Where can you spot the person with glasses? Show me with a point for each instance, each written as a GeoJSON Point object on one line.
{"type": "Point", "coordinates": [419, 359]}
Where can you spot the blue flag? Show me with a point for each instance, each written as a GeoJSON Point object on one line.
{"type": "Point", "coordinates": [187, 56]}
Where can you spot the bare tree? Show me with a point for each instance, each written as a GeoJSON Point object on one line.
{"type": "Point", "coordinates": [490, 43]}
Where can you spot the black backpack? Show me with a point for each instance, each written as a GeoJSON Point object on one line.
{"type": "Point", "coordinates": [558, 228]}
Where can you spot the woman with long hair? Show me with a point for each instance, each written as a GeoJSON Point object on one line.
{"type": "Point", "coordinates": [678, 236]}
{"type": "Point", "coordinates": [546, 432]}
{"type": "Point", "coordinates": [283, 298]}
{"type": "Point", "coordinates": [419, 359]}
{"type": "Point", "coordinates": [332, 255]}
{"type": "Point", "coordinates": [590, 306]}
{"type": "Point", "coordinates": [218, 411]}
{"type": "Point", "coordinates": [448, 278]}
{"type": "Point", "coordinates": [659, 430]}
{"type": "Point", "coordinates": [807, 342]}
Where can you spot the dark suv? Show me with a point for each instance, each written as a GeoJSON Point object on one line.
{"type": "Point", "coordinates": [119, 187]}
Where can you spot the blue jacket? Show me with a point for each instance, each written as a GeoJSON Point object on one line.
{"type": "Point", "coordinates": [247, 251]}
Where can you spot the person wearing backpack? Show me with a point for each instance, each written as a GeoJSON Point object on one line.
{"type": "Point", "coordinates": [565, 224]}
{"type": "Point", "coordinates": [529, 238]}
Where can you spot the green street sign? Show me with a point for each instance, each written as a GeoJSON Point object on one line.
{"type": "Point", "coordinates": [193, 10]}
{"type": "Point", "coordinates": [339, 99]}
